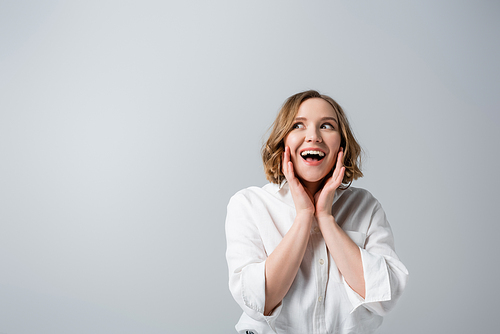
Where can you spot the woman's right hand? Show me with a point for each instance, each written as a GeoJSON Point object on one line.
{"type": "Point", "coordinates": [303, 200]}
{"type": "Point", "coordinates": [284, 261]}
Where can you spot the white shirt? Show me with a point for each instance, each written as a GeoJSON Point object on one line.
{"type": "Point", "coordinates": [319, 300]}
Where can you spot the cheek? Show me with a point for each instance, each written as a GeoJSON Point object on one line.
{"type": "Point", "coordinates": [335, 144]}
{"type": "Point", "coordinates": [335, 148]}
{"type": "Point", "coordinates": [333, 164]}
{"type": "Point", "coordinates": [291, 141]}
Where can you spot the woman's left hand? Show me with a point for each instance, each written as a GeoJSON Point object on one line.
{"type": "Point", "coordinates": [324, 197]}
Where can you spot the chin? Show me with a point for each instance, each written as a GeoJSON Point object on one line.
{"type": "Point", "coordinates": [313, 179]}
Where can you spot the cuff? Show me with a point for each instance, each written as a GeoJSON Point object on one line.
{"type": "Point", "coordinates": [271, 319]}
{"type": "Point", "coordinates": [253, 289]}
{"type": "Point", "coordinates": [253, 286]}
{"type": "Point", "coordinates": [377, 283]}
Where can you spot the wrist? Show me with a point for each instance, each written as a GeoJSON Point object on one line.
{"type": "Point", "coordinates": [325, 218]}
{"type": "Point", "coordinates": [305, 215]}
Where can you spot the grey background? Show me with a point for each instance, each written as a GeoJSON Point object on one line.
{"type": "Point", "coordinates": [126, 126]}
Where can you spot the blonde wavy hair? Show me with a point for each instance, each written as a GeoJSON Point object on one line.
{"type": "Point", "coordinates": [272, 150]}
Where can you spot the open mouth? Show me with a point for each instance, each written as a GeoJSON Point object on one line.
{"type": "Point", "coordinates": [312, 155]}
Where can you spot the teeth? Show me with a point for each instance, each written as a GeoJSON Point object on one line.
{"type": "Point", "coordinates": [321, 154]}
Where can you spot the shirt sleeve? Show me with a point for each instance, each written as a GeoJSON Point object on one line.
{"type": "Point", "coordinates": [385, 275]}
{"type": "Point", "coordinates": [246, 258]}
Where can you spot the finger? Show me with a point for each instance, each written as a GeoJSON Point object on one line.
{"type": "Point", "coordinates": [286, 158]}
{"type": "Point", "coordinates": [291, 172]}
{"type": "Point", "coordinates": [331, 184]}
{"type": "Point", "coordinates": [339, 163]}
{"type": "Point", "coordinates": [340, 158]}
{"type": "Point", "coordinates": [288, 165]}
{"type": "Point", "coordinates": [336, 179]}
{"type": "Point", "coordinates": [283, 162]}
{"type": "Point", "coordinates": [340, 177]}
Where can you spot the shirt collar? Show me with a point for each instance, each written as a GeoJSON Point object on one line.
{"type": "Point", "coordinates": [282, 184]}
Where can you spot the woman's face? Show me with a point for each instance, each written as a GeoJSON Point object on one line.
{"type": "Point", "coordinates": [314, 141]}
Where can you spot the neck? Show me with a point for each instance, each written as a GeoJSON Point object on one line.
{"type": "Point", "coordinates": [313, 187]}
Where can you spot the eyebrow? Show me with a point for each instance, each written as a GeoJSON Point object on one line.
{"type": "Point", "coordinates": [323, 119]}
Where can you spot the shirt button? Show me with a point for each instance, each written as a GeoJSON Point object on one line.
{"type": "Point", "coordinates": [320, 299]}
{"type": "Point", "coordinates": [316, 229]}
{"type": "Point", "coordinates": [321, 261]}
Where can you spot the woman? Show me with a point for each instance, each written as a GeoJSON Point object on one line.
{"type": "Point", "coordinates": [307, 253]}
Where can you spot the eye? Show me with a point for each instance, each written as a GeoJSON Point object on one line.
{"type": "Point", "coordinates": [298, 126]}
{"type": "Point", "coordinates": [327, 126]}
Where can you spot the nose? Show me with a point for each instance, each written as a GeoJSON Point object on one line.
{"type": "Point", "coordinates": [313, 135]}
